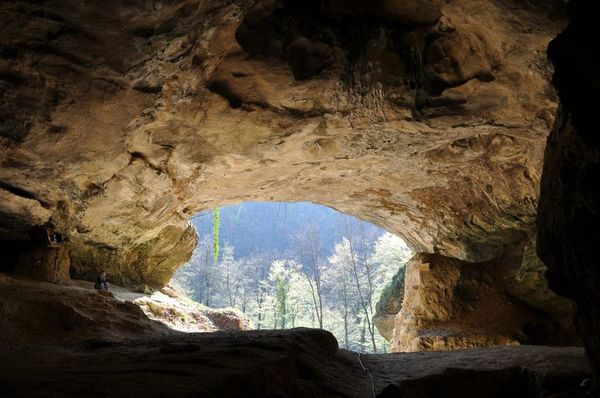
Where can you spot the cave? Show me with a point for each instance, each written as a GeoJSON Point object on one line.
{"type": "Point", "coordinates": [464, 127]}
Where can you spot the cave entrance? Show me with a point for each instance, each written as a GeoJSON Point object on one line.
{"type": "Point", "coordinates": [283, 265]}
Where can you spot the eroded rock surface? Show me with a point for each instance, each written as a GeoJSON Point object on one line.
{"type": "Point", "coordinates": [291, 363]}
{"type": "Point", "coordinates": [44, 263]}
{"type": "Point", "coordinates": [58, 340]}
{"type": "Point", "coordinates": [450, 304]}
{"type": "Point", "coordinates": [120, 120]}
{"type": "Point", "coordinates": [189, 316]}
{"type": "Point", "coordinates": [35, 313]}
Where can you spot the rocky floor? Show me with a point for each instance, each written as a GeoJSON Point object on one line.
{"type": "Point", "coordinates": [69, 341]}
{"type": "Point", "coordinates": [75, 310]}
{"type": "Point", "coordinates": [294, 363]}
{"type": "Point", "coordinates": [185, 315]}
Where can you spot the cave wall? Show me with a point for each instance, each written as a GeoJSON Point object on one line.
{"type": "Point", "coordinates": [122, 120]}
{"type": "Point", "coordinates": [568, 208]}
{"type": "Point", "coordinates": [451, 304]}
{"type": "Point", "coordinates": [46, 263]}
{"type": "Point", "coordinates": [436, 300]}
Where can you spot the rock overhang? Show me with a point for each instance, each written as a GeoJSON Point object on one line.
{"type": "Point", "coordinates": [133, 120]}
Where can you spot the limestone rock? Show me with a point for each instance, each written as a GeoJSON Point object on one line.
{"type": "Point", "coordinates": [122, 120]}
{"type": "Point", "coordinates": [143, 288]}
{"type": "Point", "coordinates": [68, 314]}
{"type": "Point", "coordinates": [57, 339]}
{"type": "Point", "coordinates": [294, 363]}
{"type": "Point", "coordinates": [450, 304]}
{"type": "Point", "coordinates": [529, 285]}
{"type": "Point", "coordinates": [48, 264]}
{"type": "Point", "coordinates": [458, 55]}
{"type": "Point", "coordinates": [23, 209]}
{"type": "Point", "coordinates": [169, 291]}
{"type": "Point", "coordinates": [525, 283]}
{"type": "Point", "coordinates": [188, 316]}
{"type": "Point", "coordinates": [307, 58]}
{"type": "Point", "coordinates": [228, 320]}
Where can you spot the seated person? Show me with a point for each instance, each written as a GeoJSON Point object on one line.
{"type": "Point", "coordinates": [101, 283]}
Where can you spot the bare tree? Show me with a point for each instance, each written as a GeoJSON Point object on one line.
{"type": "Point", "coordinates": [256, 280]}
{"type": "Point", "coordinates": [208, 279]}
{"type": "Point", "coordinates": [337, 280]}
{"type": "Point", "coordinates": [309, 245]}
{"type": "Point", "coordinates": [232, 274]}
{"type": "Point", "coordinates": [364, 298]}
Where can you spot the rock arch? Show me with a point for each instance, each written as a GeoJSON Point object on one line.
{"type": "Point", "coordinates": [131, 122]}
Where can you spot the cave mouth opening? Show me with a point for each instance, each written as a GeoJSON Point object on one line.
{"type": "Point", "coordinates": [281, 265]}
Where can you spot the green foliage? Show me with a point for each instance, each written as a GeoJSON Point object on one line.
{"type": "Point", "coordinates": [278, 289]}
{"type": "Point", "coordinates": [394, 291]}
{"type": "Point", "coordinates": [216, 227]}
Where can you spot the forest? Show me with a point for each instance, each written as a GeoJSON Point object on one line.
{"type": "Point", "coordinates": [295, 264]}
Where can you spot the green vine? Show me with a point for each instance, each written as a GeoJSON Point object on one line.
{"type": "Point", "coordinates": [216, 227]}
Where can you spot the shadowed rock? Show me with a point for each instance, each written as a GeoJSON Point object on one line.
{"type": "Point", "coordinates": [568, 215]}
{"type": "Point", "coordinates": [80, 336]}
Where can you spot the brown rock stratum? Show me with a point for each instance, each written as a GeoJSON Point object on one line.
{"type": "Point", "coordinates": [120, 120]}
{"type": "Point", "coordinates": [450, 304]}
{"type": "Point", "coordinates": [60, 341]}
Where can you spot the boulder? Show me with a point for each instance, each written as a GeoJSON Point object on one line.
{"type": "Point", "coordinates": [143, 288]}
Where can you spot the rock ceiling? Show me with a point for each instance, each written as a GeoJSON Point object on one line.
{"type": "Point", "coordinates": [120, 120]}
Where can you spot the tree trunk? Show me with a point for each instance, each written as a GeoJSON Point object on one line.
{"type": "Point", "coordinates": [363, 304]}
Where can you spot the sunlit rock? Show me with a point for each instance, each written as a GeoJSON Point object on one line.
{"type": "Point", "coordinates": [450, 304]}
{"type": "Point", "coordinates": [120, 121]}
